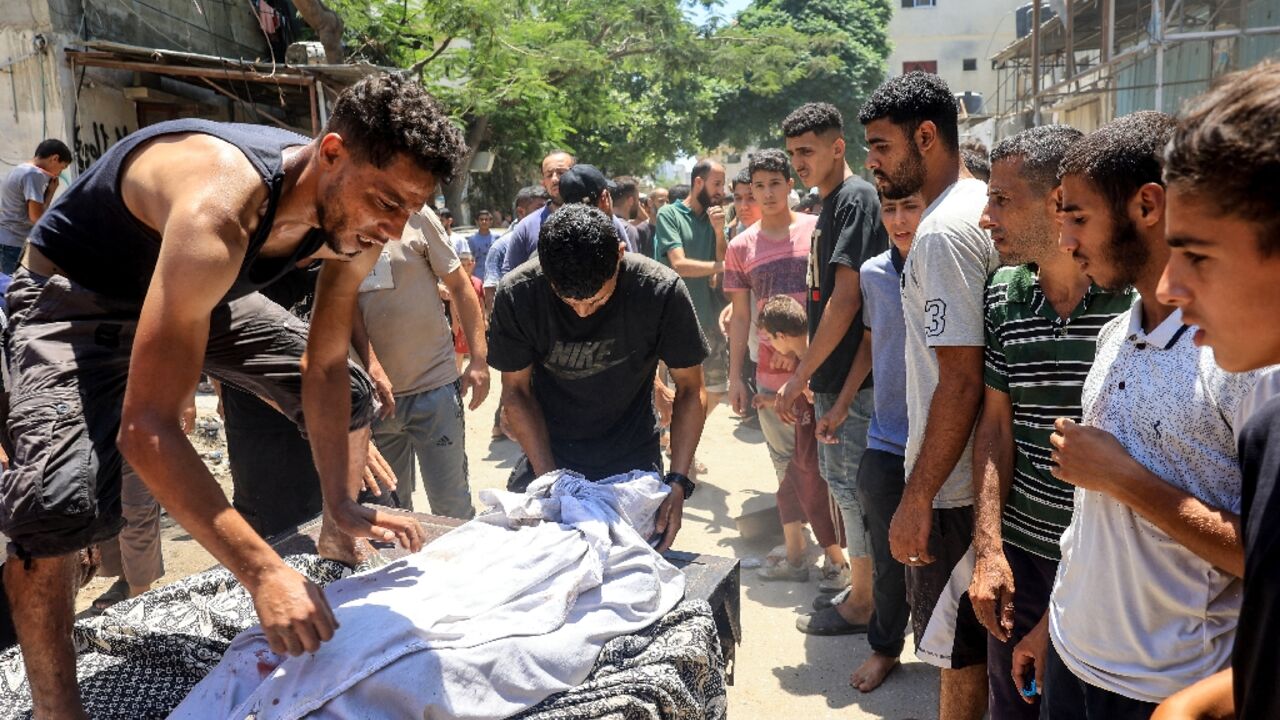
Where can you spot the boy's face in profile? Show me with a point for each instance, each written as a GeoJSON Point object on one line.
{"type": "Point", "coordinates": [901, 218]}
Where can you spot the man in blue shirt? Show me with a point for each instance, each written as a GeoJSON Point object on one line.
{"type": "Point", "coordinates": [524, 236]}
{"type": "Point", "coordinates": [480, 242]}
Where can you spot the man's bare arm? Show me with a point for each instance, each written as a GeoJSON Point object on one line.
{"type": "Point", "coordinates": [475, 376]}
{"type": "Point", "coordinates": [341, 455]}
{"type": "Point", "coordinates": [952, 411]}
{"type": "Point", "coordinates": [739, 330]}
{"type": "Point", "coordinates": [1094, 459]}
{"type": "Point", "coordinates": [688, 415]}
{"type": "Point", "coordinates": [1210, 699]}
{"type": "Point", "coordinates": [992, 469]}
{"type": "Point", "coordinates": [526, 420]}
{"type": "Point", "coordinates": [826, 426]}
{"type": "Point", "coordinates": [992, 588]}
{"type": "Point", "coordinates": [35, 210]}
{"type": "Point", "coordinates": [205, 226]}
{"type": "Point", "coordinates": [689, 412]}
{"type": "Point", "coordinates": [842, 308]}
{"type": "Point", "coordinates": [689, 268]}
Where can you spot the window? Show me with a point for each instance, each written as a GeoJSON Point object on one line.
{"type": "Point", "coordinates": [971, 63]}
{"type": "Point", "coordinates": [928, 66]}
{"type": "Point", "coordinates": [919, 3]}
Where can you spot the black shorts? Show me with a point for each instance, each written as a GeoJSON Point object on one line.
{"type": "Point", "coordinates": [68, 353]}
{"type": "Point", "coordinates": [948, 634]}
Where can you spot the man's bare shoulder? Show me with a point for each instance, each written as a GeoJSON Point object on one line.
{"type": "Point", "coordinates": [190, 170]}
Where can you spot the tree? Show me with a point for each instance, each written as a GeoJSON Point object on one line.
{"type": "Point", "coordinates": [850, 47]}
{"type": "Point", "coordinates": [624, 84]}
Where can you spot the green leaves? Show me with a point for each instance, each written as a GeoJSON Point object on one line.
{"type": "Point", "coordinates": [625, 84]}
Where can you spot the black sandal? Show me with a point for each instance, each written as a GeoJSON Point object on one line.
{"type": "Point", "coordinates": [828, 622]}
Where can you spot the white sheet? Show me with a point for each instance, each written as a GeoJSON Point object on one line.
{"type": "Point", "coordinates": [487, 621]}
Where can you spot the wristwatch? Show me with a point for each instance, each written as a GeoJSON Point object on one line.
{"type": "Point", "coordinates": [675, 478]}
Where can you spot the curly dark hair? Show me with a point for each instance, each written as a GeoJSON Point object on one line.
{"type": "Point", "coordinates": [976, 159]}
{"type": "Point", "coordinates": [1041, 150]}
{"type": "Point", "coordinates": [911, 99]}
{"type": "Point", "coordinates": [815, 117]}
{"type": "Point", "coordinates": [578, 249]}
{"type": "Point", "coordinates": [1121, 156]}
{"type": "Point", "coordinates": [1227, 150]}
{"type": "Point", "coordinates": [742, 178]}
{"type": "Point", "coordinates": [769, 160]}
{"type": "Point", "coordinates": [784, 315]}
{"type": "Point", "coordinates": [385, 115]}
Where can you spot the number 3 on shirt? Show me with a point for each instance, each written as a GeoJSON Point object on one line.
{"type": "Point", "coordinates": [935, 315]}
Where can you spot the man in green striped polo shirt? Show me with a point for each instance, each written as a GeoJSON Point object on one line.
{"type": "Point", "coordinates": [1042, 321]}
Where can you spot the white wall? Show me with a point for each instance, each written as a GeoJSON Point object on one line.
{"type": "Point", "coordinates": [950, 32]}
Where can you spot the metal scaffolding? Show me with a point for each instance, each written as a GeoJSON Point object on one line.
{"type": "Point", "coordinates": [1096, 59]}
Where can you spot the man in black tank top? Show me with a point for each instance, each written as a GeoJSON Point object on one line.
{"type": "Point", "coordinates": [142, 276]}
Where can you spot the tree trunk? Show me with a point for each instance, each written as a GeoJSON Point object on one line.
{"type": "Point", "coordinates": [456, 190]}
{"type": "Point", "coordinates": [328, 26]}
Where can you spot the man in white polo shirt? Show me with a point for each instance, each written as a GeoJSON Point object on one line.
{"type": "Point", "coordinates": [1148, 593]}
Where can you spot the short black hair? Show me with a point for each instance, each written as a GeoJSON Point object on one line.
{"type": "Point", "coordinates": [911, 99]}
{"type": "Point", "coordinates": [769, 160]}
{"type": "Point", "coordinates": [1227, 150]}
{"type": "Point", "coordinates": [678, 192]}
{"type": "Point", "coordinates": [386, 115]}
{"type": "Point", "coordinates": [528, 194]}
{"type": "Point", "coordinates": [1121, 156]}
{"type": "Point", "coordinates": [624, 186]}
{"type": "Point", "coordinates": [578, 249]}
{"type": "Point", "coordinates": [742, 178]}
{"type": "Point", "coordinates": [483, 212]}
{"type": "Point", "coordinates": [702, 169]}
{"type": "Point", "coordinates": [815, 117]}
{"type": "Point", "coordinates": [1041, 150]}
{"type": "Point", "coordinates": [784, 315]}
{"type": "Point", "coordinates": [50, 147]}
{"type": "Point", "coordinates": [443, 213]}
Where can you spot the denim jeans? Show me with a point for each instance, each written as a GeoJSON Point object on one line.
{"type": "Point", "coordinates": [9, 257]}
{"type": "Point", "coordinates": [429, 426]}
{"type": "Point", "coordinates": [839, 465]}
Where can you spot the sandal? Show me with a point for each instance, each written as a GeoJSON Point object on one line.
{"type": "Point", "coordinates": [828, 622]}
{"type": "Point", "coordinates": [117, 593]}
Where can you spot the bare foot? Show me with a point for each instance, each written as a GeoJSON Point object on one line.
{"type": "Point", "coordinates": [337, 545]}
{"type": "Point", "coordinates": [872, 673]}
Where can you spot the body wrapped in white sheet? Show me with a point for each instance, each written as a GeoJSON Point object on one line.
{"type": "Point", "coordinates": [487, 621]}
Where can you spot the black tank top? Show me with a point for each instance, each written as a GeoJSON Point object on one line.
{"type": "Point", "coordinates": [99, 244]}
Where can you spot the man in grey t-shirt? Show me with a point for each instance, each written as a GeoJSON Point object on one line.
{"type": "Point", "coordinates": [24, 195]}
{"type": "Point", "coordinates": [913, 141]}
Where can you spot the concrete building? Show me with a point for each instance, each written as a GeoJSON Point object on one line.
{"type": "Point", "coordinates": [954, 39]}
{"type": "Point", "coordinates": [89, 72]}
{"type": "Point", "coordinates": [1094, 60]}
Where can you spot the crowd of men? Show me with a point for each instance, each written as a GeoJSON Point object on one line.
{"type": "Point", "coordinates": [1019, 397]}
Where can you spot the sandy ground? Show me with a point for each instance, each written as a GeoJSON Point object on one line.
{"type": "Point", "coordinates": [780, 672]}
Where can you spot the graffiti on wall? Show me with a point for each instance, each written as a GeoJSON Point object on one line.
{"type": "Point", "coordinates": [92, 142]}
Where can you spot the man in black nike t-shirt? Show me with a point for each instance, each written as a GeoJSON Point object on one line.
{"type": "Point", "coordinates": [577, 334]}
